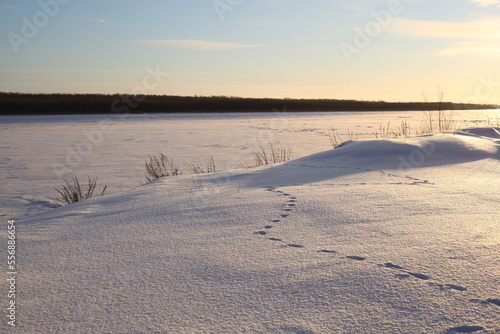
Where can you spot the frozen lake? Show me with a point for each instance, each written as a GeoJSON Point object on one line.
{"type": "Point", "coordinates": [38, 152]}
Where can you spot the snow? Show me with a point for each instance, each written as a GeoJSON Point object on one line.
{"type": "Point", "coordinates": [378, 236]}
{"type": "Point", "coordinates": [38, 152]}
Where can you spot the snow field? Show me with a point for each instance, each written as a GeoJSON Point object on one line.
{"type": "Point", "coordinates": [342, 241]}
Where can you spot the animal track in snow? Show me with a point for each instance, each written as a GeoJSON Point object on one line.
{"type": "Point", "coordinates": [414, 180]}
{"type": "Point", "coordinates": [327, 251]}
{"type": "Point", "coordinates": [494, 301]}
{"type": "Point", "coordinates": [390, 265]}
{"type": "Point", "coordinates": [466, 329]}
{"type": "Point", "coordinates": [287, 207]}
{"type": "Point", "coordinates": [456, 287]}
{"type": "Point", "coordinates": [291, 203]}
{"type": "Point", "coordinates": [420, 276]}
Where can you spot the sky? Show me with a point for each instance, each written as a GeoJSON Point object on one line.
{"type": "Point", "coordinates": [390, 50]}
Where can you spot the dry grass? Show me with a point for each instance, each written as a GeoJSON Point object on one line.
{"type": "Point", "coordinates": [338, 141]}
{"type": "Point", "coordinates": [494, 122]}
{"type": "Point", "coordinates": [73, 192]}
{"type": "Point", "coordinates": [160, 166]}
{"type": "Point", "coordinates": [403, 130]}
{"type": "Point", "coordinates": [198, 167]}
{"type": "Point", "coordinates": [271, 153]}
{"type": "Point", "coordinates": [437, 121]}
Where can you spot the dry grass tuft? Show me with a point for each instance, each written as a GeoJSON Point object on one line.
{"type": "Point", "coordinates": [72, 193]}
{"type": "Point", "coordinates": [338, 141]}
{"type": "Point", "coordinates": [271, 153]}
{"type": "Point", "coordinates": [160, 166]}
{"type": "Point", "coordinates": [198, 168]}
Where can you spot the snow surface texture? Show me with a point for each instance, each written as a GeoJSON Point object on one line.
{"type": "Point", "coordinates": [381, 236]}
{"type": "Point", "coordinates": [38, 152]}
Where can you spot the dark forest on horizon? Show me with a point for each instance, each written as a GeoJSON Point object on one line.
{"type": "Point", "coordinates": [50, 104]}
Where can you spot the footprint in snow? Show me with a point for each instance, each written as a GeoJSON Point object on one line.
{"type": "Point", "coordinates": [290, 203]}
{"type": "Point", "coordinates": [466, 329]}
{"type": "Point", "coordinates": [456, 287]}
{"type": "Point", "coordinates": [494, 301]}
{"type": "Point", "coordinates": [420, 276]}
{"type": "Point", "coordinates": [391, 265]}
{"type": "Point", "coordinates": [406, 275]}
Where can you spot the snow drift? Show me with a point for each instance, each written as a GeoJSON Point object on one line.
{"type": "Point", "coordinates": [387, 236]}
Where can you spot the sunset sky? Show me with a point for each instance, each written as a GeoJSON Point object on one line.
{"type": "Point", "coordinates": [354, 49]}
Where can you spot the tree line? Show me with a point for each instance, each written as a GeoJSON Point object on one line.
{"type": "Point", "coordinates": [47, 104]}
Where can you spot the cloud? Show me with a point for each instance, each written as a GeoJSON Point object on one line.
{"type": "Point", "coordinates": [473, 37]}
{"type": "Point", "coordinates": [483, 29]}
{"type": "Point", "coordinates": [471, 48]}
{"type": "Point", "coordinates": [86, 19]}
{"type": "Point", "coordinates": [486, 2]}
{"type": "Point", "coordinates": [195, 44]}
{"type": "Point", "coordinates": [10, 8]}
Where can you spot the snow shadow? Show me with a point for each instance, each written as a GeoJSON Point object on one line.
{"type": "Point", "coordinates": [395, 157]}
